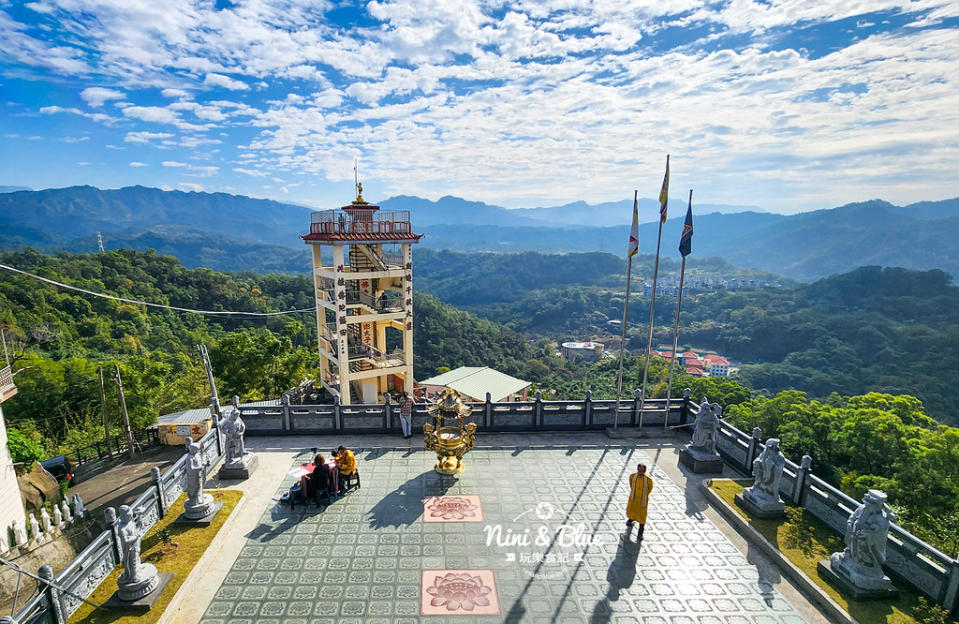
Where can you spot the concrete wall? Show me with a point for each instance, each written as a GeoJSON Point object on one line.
{"type": "Point", "coordinates": [11, 511]}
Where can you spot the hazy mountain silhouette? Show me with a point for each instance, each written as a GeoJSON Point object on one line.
{"type": "Point", "coordinates": [236, 232]}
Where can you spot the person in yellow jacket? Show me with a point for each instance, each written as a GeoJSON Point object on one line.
{"type": "Point", "coordinates": [640, 485]}
{"type": "Point", "coordinates": [345, 460]}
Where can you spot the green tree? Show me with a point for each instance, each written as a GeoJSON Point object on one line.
{"type": "Point", "coordinates": [23, 449]}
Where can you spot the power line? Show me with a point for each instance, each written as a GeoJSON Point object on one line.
{"type": "Point", "coordinates": [149, 304]}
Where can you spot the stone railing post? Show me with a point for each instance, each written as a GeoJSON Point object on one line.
{"type": "Point", "coordinates": [110, 516]}
{"type": "Point", "coordinates": [637, 405]}
{"type": "Point", "coordinates": [158, 484]}
{"type": "Point", "coordinates": [218, 438]}
{"type": "Point", "coordinates": [684, 410]}
{"type": "Point", "coordinates": [805, 467]}
{"type": "Point", "coordinates": [53, 594]}
{"type": "Point", "coordinates": [754, 442]}
{"type": "Point", "coordinates": [488, 419]}
{"type": "Point", "coordinates": [588, 408]}
{"type": "Point", "coordinates": [337, 415]}
{"type": "Point", "coordinates": [215, 411]}
{"type": "Point", "coordinates": [388, 413]}
{"type": "Point", "coordinates": [538, 409]}
{"type": "Point", "coordinates": [287, 422]}
{"type": "Point", "coordinates": [950, 596]}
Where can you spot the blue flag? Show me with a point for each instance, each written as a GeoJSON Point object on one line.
{"type": "Point", "coordinates": [686, 240]}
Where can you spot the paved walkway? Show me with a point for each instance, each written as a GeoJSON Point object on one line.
{"type": "Point", "coordinates": [528, 533]}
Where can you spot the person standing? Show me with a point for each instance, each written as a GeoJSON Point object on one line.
{"type": "Point", "coordinates": [640, 485]}
{"type": "Point", "coordinates": [406, 414]}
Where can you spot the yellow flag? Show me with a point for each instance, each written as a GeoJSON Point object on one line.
{"type": "Point", "coordinates": [664, 194]}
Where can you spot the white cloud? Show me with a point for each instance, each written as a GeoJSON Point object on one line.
{"type": "Point", "coordinates": [507, 101]}
{"type": "Point", "coordinates": [219, 80]}
{"type": "Point", "coordinates": [155, 114]}
{"type": "Point", "coordinates": [99, 117]}
{"type": "Point", "coordinates": [173, 163]}
{"type": "Point", "coordinates": [190, 186]}
{"type": "Point", "coordinates": [250, 172]}
{"type": "Point", "coordinates": [197, 141]}
{"type": "Point", "coordinates": [145, 137]}
{"type": "Point", "coordinates": [96, 96]}
{"type": "Point", "coordinates": [203, 171]}
{"type": "Point", "coordinates": [138, 164]}
{"type": "Point", "coordinates": [40, 7]}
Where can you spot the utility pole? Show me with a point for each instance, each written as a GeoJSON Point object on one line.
{"type": "Point", "coordinates": [103, 409]}
{"type": "Point", "coordinates": [126, 417]}
{"type": "Point", "coordinates": [208, 368]}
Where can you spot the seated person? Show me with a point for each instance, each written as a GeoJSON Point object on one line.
{"type": "Point", "coordinates": [317, 479]}
{"type": "Point", "coordinates": [345, 461]}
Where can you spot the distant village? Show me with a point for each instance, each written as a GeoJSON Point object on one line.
{"type": "Point", "coordinates": [706, 365]}
{"type": "Point", "coordinates": [669, 284]}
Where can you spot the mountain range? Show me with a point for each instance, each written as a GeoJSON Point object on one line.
{"type": "Point", "coordinates": [232, 232]}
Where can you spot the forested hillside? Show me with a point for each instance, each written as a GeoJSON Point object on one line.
{"type": "Point", "coordinates": [59, 338]}
{"type": "Point", "coordinates": [873, 329]}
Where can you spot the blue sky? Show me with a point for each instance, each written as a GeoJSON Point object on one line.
{"type": "Point", "coordinates": [789, 105]}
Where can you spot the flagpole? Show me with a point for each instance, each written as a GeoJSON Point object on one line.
{"type": "Point", "coordinates": [622, 341]}
{"type": "Point", "coordinates": [652, 299]}
{"type": "Point", "coordinates": [679, 303]}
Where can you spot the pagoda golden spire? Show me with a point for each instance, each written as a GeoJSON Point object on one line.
{"type": "Point", "coordinates": [359, 188]}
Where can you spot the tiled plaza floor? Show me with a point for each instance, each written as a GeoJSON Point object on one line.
{"type": "Point", "coordinates": [384, 554]}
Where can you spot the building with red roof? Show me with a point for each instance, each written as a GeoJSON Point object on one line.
{"type": "Point", "coordinates": [717, 366]}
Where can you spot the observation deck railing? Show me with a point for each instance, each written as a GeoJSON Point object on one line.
{"type": "Point", "coordinates": [355, 297]}
{"type": "Point", "coordinates": [338, 222]}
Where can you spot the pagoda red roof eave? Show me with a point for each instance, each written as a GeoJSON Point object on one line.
{"type": "Point", "coordinates": [369, 236]}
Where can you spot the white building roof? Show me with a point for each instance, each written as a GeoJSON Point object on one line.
{"type": "Point", "coordinates": [186, 417]}
{"type": "Point", "coordinates": [476, 381]}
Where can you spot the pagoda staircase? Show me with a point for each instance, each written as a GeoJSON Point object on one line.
{"type": "Point", "coordinates": [356, 396]}
{"type": "Point", "coordinates": [363, 259]}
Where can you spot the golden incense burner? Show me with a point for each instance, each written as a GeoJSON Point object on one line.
{"type": "Point", "coordinates": [450, 437]}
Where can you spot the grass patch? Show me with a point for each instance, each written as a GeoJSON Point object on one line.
{"type": "Point", "coordinates": [191, 543]}
{"type": "Point", "coordinates": [805, 541]}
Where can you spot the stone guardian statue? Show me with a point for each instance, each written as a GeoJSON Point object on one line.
{"type": "Point", "coordinates": [198, 503]}
{"type": "Point", "coordinates": [233, 430]}
{"type": "Point", "coordinates": [700, 454]}
{"type": "Point", "coordinates": [706, 428]}
{"type": "Point", "coordinates": [138, 578]}
{"type": "Point", "coordinates": [858, 568]}
{"type": "Point", "coordinates": [762, 498]}
{"type": "Point", "coordinates": [238, 463]}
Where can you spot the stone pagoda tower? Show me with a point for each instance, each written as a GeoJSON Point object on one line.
{"type": "Point", "coordinates": [363, 278]}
